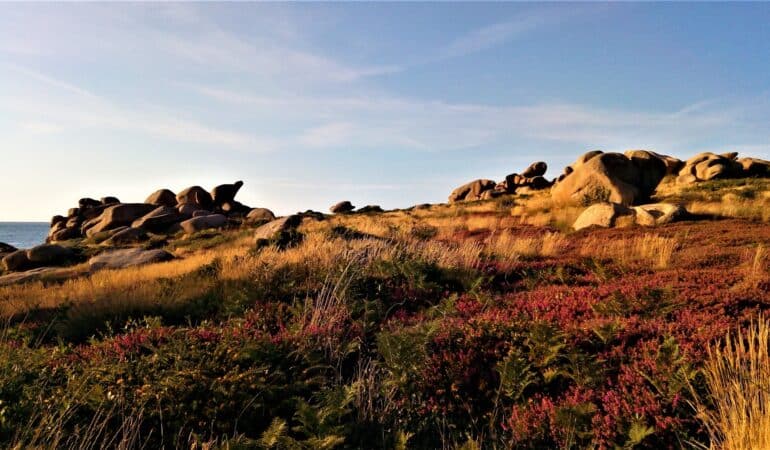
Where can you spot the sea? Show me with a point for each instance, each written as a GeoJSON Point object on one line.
{"type": "Point", "coordinates": [23, 234]}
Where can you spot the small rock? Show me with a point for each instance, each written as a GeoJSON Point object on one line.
{"type": "Point", "coordinates": [126, 237]}
{"type": "Point", "coordinates": [269, 230]}
{"type": "Point", "coordinates": [158, 219]}
{"type": "Point", "coordinates": [109, 201]}
{"type": "Point", "coordinates": [536, 169]}
{"type": "Point", "coordinates": [16, 261]}
{"type": "Point", "coordinates": [196, 195]}
{"type": "Point", "coordinates": [370, 209]}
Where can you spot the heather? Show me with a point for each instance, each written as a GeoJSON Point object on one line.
{"type": "Point", "coordinates": [434, 328]}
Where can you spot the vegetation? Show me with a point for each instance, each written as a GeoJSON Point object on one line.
{"type": "Point", "coordinates": [487, 325]}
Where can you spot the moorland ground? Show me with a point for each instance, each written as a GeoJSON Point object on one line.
{"type": "Point", "coordinates": [478, 325]}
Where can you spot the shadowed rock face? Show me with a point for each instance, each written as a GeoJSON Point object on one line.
{"type": "Point", "coordinates": [195, 195]}
{"type": "Point", "coordinates": [225, 193]}
{"type": "Point", "coordinates": [162, 197]}
{"type": "Point", "coordinates": [342, 207]}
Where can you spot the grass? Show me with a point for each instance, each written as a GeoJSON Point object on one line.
{"type": "Point", "coordinates": [737, 374]}
{"type": "Point", "coordinates": [488, 324]}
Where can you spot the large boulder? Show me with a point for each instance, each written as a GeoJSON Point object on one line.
{"type": "Point", "coordinates": [471, 191]}
{"type": "Point", "coordinates": [609, 177]}
{"type": "Point", "coordinates": [260, 215]}
{"type": "Point", "coordinates": [117, 216]}
{"type": "Point", "coordinates": [60, 219]}
{"type": "Point", "coordinates": [536, 169]}
{"type": "Point", "coordinates": [709, 166]}
{"type": "Point", "coordinates": [203, 223]}
{"type": "Point", "coordinates": [131, 257]}
{"type": "Point", "coordinates": [158, 219]}
{"type": "Point", "coordinates": [342, 207]}
{"type": "Point", "coordinates": [673, 165]}
{"type": "Point", "coordinates": [602, 215]}
{"type": "Point", "coordinates": [64, 234]}
{"type": "Point", "coordinates": [225, 193]}
{"type": "Point", "coordinates": [162, 197]}
{"type": "Point", "coordinates": [87, 202]}
{"type": "Point", "coordinates": [195, 195]}
{"type": "Point", "coordinates": [49, 255]}
{"type": "Point", "coordinates": [16, 261]}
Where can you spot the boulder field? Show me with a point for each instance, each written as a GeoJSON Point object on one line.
{"type": "Point", "coordinates": [628, 178]}
{"type": "Point", "coordinates": [163, 212]}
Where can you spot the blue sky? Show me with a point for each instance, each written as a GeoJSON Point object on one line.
{"type": "Point", "coordinates": [390, 104]}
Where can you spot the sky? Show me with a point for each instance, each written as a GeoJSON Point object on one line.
{"type": "Point", "coordinates": [392, 104]}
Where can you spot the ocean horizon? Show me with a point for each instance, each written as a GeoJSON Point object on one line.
{"type": "Point", "coordinates": [23, 234]}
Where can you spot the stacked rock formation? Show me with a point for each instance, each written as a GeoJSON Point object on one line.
{"type": "Point", "coordinates": [596, 176]}
{"type": "Point", "coordinates": [710, 166]}
{"type": "Point", "coordinates": [163, 212]}
{"type": "Point", "coordinates": [529, 180]}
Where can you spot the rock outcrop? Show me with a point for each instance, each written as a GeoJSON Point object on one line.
{"type": "Point", "coordinates": [162, 213]}
{"type": "Point", "coordinates": [342, 207]}
{"type": "Point", "coordinates": [710, 166]}
{"type": "Point", "coordinates": [610, 177]}
{"type": "Point", "coordinates": [471, 191]}
{"type": "Point", "coordinates": [370, 209]}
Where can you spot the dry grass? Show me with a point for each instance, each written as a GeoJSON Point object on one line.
{"type": "Point", "coordinates": [507, 245]}
{"type": "Point", "coordinates": [655, 250]}
{"type": "Point", "coordinates": [738, 382]}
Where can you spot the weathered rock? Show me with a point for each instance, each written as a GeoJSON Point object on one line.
{"type": "Point", "coordinates": [195, 195]}
{"type": "Point", "coordinates": [659, 213]}
{"type": "Point", "coordinates": [58, 219]}
{"type": "Point", "coordinates": [755, 167]}
{"type": "Point", "coordinates": [16, 261]}
{"type": "Point", "coordinates": [109, 200]}
{"type": "Point", "coordinates": [116, 216]}
{"type": "Point", "coordinates": [55, 228]}
{"type": "Point", "coordinates": [49, 255]}
{"type": "Point", "coordinates": [536, 169]}
{"type": "Point", "coordinates": [65, 234]}
{"type": "Point", "coordinates": [86, 202]}
{"type": "Point", "coordinates": [225, 193]}
{"type": "Point", "coordinates": [162, 197]}
{"type": "Point", "coordinates": [342, 207]}
{"type": "Point", "coordinates": [235, 208]}
{"type": "Point", "coordinates": [651, 169]}
{"type": "Point", "coordinates": [188, 209]}
{"type": "Point", "coordinates": [131, 257]}
{"type": "Point", "coordinates": [471, 191]}
{"type": "Point", "coordinates": [203, 223]}
{"type": "Point", "coordinates": [709, 166]}
{"type": "Point", "coordinates": [73, 212]}
{"type": "Point", "coordinates": [673, 165]}
{"type": "Point", "coordinates": [602, 215]}
{"type": "Point", "coordinates": [91, 213]}
{"type": "Point", "coordinates": [260, 215]}
{"type": "Point", "coordinates": [126, 236]}
{"type": "Point", "coordinates": [272, 229]}
{"type": "Point", "coordinates": [370, 209]}
{"type": "Point", "coordinates": [74, 222]}
{"type": "Point", "coordinates": [158, 219]}
{"type": "Point", "coordinates": [609, 177]}
{"type": "Point", "coordinates": [7, 248]}
{"type": "Point", "coordinates": [27, 276]}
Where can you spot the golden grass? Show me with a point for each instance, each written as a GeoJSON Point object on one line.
{"type": "Point", "coordinates": [507, 245]}
{"type": "Point", "coordinates": [657, 251]}
{"type": "Point", "coordinates": [738, 382]}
